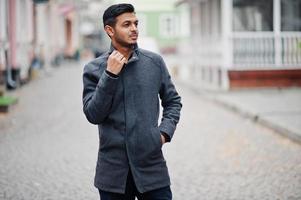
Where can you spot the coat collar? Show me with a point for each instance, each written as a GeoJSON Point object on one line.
{"type": "Point", "coordinates": [135, 55]}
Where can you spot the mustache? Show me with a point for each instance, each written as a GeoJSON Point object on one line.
{"type": "Point", "coordinates": [134, 34]}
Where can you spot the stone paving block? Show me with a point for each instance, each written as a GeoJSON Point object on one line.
{"type": "Point", "coordinates": [48, 150]}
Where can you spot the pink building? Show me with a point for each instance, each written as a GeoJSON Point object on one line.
{"type": "Point", "coordinates": [15, 38]}
{"type": "Point", "coordinates": [40, 31]}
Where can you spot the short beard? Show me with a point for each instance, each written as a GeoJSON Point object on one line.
{"type": "Point", "coordinates": [125, 44]}
{"type": "Point", "coordinates": [122, 43]}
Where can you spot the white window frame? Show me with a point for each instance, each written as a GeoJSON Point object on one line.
{"type": "Point", "coordinates": [163, 25]}
{"type": "Point", "coordinates": [142, 24]}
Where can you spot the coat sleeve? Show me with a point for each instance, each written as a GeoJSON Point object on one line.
{"type": "Point", "coordinates": [170, 101]}
{"type": "Point", "coordinates": [97, 95]}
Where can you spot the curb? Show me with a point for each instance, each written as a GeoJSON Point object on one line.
{"type": "Point", "coordinates": [281, 130]}
{"type": "Point", "coordinates": [260, 120]}
{"type": "Point", "coordinates": [295, 137]}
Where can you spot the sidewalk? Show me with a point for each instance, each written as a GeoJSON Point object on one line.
{"type": "Point", "coordinates": [279, 109]}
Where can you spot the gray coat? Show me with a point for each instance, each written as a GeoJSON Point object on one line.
{"type": "Point", "coordinates": [126, 110]}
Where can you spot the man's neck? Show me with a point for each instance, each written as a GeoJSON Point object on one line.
{"type": "Point", "coordinates": [125, 51]}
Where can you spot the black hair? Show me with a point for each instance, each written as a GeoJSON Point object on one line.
{"type": "Point", "coordinates": [110, 14]}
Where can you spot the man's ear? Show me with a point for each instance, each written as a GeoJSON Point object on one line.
{"type": "Point", "coordinates": [109, 30]}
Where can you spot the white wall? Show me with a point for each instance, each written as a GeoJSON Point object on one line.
{"type": "Point", "coordinates": [3, 33]}
{"type": "Point", "coordinates": [3, 19]}
{"type": "Point", "coordinates": [24, 35]}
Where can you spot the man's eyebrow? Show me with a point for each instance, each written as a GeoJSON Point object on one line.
{"type": "Point", "coordinates": [129, 21]}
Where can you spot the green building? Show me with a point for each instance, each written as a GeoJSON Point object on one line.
{"type": "Point", "coordinates": [162, 22]}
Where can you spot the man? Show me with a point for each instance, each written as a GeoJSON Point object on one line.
{"type": "Point", "coordinates": [120, 95]}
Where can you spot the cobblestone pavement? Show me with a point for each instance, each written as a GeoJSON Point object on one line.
{"type": "Point", "coordinates": [48, 150]}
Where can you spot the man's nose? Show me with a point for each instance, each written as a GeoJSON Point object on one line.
{"type": "Point", "coordinates": [134, 27]}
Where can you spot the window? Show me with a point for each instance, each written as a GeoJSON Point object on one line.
{"type": "Point", "coordinates": [253, 15]}
{"type": "Point", "coordinates": [3, 18]}
{"type": "Point", "coordinates": [168, 25]}
{"type": "Point", "coordinates": [142, 25]}
{"type": "Point", "coordinates": [22, 26]}
{"type": "Point", "coordinates": [291, 15]}
{"type": "Point", "coordinates": [210, 18]}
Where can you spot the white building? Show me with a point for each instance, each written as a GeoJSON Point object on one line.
{"type": "Point", "coordinates": [243, 43]}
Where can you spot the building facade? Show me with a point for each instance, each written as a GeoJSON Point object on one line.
{"type": "Point", "coordinates": [16, 39]}
{"type": "Point", "coordinates": [244, 43]}
{"type": "Point", "coordinates": [4, 42]}
{"type": "Point", "coordinates": [33, 33]}
{"type": "Point", "coordinates": [161, 22]}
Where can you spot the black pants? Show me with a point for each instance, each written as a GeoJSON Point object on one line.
{"type": "Point", "coordinates": [131, 192]}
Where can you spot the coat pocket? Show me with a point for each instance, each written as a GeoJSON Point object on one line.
{"type": "Point", "coordinates": [151, 152]}
{"type": "Point", "coordinates": [156, 135]}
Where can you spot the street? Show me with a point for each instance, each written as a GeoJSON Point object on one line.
{"type": "Point", "coordinates": [48, 150]}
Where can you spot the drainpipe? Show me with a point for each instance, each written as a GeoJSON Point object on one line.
{"type": "Point", "coordinates": [11, 54]}
{"type": "Point", "coordinates": [227, 40]}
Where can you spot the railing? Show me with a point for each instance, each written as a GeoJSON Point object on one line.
{"type": "Point", "coordinates": [266, 49]}
{"type": "Point", "coordinates": [253, 49]}
{"type": "Point", "coordinates": [291, 48]}
{"type": "Point", "coordinates": [200, 61]}
{"type": "Point", "coordinates": [202, 51]}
